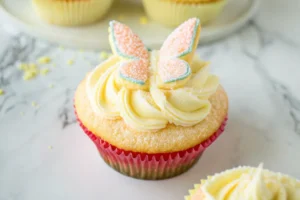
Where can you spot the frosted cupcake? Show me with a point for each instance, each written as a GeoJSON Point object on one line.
{"type": "Point", "coordinates": [174, 12]}
{"type": "Point", "coordinates": [71, 12]}
{"type": "Point", "coordinates": [152, 114]}
{"type": "Point", "coordinates": [247, 183]}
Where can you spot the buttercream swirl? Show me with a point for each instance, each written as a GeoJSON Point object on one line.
{"type": "Point", "coordinates": [153, 108]}
{"type": "Point", "coordinates": [249, 184]}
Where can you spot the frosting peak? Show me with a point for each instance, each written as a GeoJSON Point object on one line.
{"type": "Point", "coordinates": [250, 186]}
{"type": "Point", "coordinates": [151, 89]}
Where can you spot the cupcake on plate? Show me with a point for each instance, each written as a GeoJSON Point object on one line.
{"type": "Point", "coordinates": [151, 114]}
{"type": "Point", "coordinates": [174, 12]}
{"type": "Point", "coordinates": [71, 12]}
{"type": "Point", "coordinates": [247, 183]}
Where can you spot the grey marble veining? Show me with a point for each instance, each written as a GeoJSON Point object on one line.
{"type": "Point", "coordinates": [45, 155]}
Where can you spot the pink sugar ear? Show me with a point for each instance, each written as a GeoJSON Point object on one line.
{"type": "Point", "coordinates": [128, 45]}
{"type": "Point", "coordinates": [173, 70]}
{"type": "Point", "coordinates": [134, 71]}
{"type": "Point", "coordinates": [182, 40]}
{"type": "Point", "coordinates": [125, 43]}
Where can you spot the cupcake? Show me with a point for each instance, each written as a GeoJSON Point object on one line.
{"type": "Point", "coordinates": [247, 183]}
{"type": "Point", "coordinates": [151, 114]}
{"type": "Point", "coordinates": [174, 12]}
{"type": "Point", "coordinates": [71, 12]}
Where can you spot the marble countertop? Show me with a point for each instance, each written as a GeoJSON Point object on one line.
{"type": "Point", "coordinates": [45, 155]}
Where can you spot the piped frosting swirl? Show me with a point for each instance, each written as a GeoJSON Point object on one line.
{"type": "Point", "coordinates": [245, 183]}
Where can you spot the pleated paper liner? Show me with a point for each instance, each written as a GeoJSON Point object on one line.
{"type": "Point", "coordinates": [174, 13]}
{"type": "Point", "coordinates": [71, 13]}
{"type": "Point", "coordinates": [151, 166]}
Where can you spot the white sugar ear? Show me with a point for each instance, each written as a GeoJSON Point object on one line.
{"type": "Point", "coordinates": [125, 43]}
{"type": "Point", "coordinates": [183, 41]}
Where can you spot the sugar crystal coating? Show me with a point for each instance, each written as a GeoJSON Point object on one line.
{"type": "Point", "coordinates": [136, 70]}
{"type": "Point", "coordinates": [172, 70]}
{"type": "Point", "coordinates": [181, 41]}
{"type": "Point", "coordinates": [127, 43]}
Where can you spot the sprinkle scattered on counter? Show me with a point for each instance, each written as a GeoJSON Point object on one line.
{"type": "Point", "coordinates": [44, 60]}
{"type": "Point", "coordinates": [81, 50]}
{"type": "Point", "coordinates": [70, 62]}
{"type": "Point", "coordinates": [143, 20]}
{"type": "Point", "coordinates": [50, 147]}
{"type": "Point", "coordinates": [51, 86]}
{"type": "Point", "coordinates": [1, 92]}
{"type": "Point", "coordinates": [44, 71]}
{"type": "Point", "coordinates": [22, 113]}
{"type": "Point", "coordinates": [104, 55]}
{"type": "Point", "coordinates": [27, 67]}
{"type": "Point", "coordinates": [34, 104]}
{"type": "Point", "coordinates": [28, 75]}
{"type": "Point", "coordinates": [30, 70]}
{"type": "Point", "coordinates": [62, 48]}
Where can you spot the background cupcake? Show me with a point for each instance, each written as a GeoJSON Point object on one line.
{"type": "Point", "coordinates": [152, 114]}
{"type": "Point", "coordinates": [174, 12]}
{"type": "Point", "coordinates": [247, 183]}
{"type": "Point", "coordinates": [71, 12]}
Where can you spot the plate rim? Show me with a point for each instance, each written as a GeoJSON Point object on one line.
{"type": "Point", "coordinates": [208, 35]}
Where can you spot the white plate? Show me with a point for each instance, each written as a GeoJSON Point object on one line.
{"type": "Point", "coordinates": [21, 14]}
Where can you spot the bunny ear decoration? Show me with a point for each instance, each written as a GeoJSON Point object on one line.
{"type": "Point", "coordinates": [183, 41]}
{"type": "Point", "coordinates": [173, 70]}
{"type": "Point", "coordinates": [134, 70]}
{"type": "Point", "coordinates": [176, 54]}
{"type": "Point", "coordinates": [125, 43]}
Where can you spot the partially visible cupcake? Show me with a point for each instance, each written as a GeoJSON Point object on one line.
{"type": "Point", "coordinates": [152, 114]}
{"type": "Point", "coordinates": [247, 183]}
{"type": "Point", "coordinates": [174, 12]}
{"type": "Point", "coordinates": [71, 12]}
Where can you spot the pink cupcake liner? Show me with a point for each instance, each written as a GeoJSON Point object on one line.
{"type": "Point", "coordinates": [150, 166]}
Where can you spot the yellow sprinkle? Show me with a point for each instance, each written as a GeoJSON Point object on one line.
{"type": "Point", "coordinates": [121, 17]}
{"type": "Point", "coordinates": [34, 104]}
{"type": "Point", "coordinates": [50, 147]}
{"type": "Point", "coordinates": [44, 71]}
{"type": "Point", "coordinates": [143, 20]}
{"type": "Point", "coordinates": [30, 74]}
{"type": "Point", "coordinates": [54, 65]}
{"type": "Point", "coordinates": [103, 55]}
{"type": "Point", "coordinates": [44, 60]}
{"type": "Point", "coordinates": [1, 92]}
{"type": "Point", "coordinates": [51, 86]}
{"type": "Point", "coordinates": [70, 62]}
{"type": "Point", "coordinates": [61, 47]}
{"type": "Point", "coordinates": [22, 113]}
{"type": "Point", "coordinates": [32, 66]}
{"type": "Point", "coordinates": [81, 50]}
